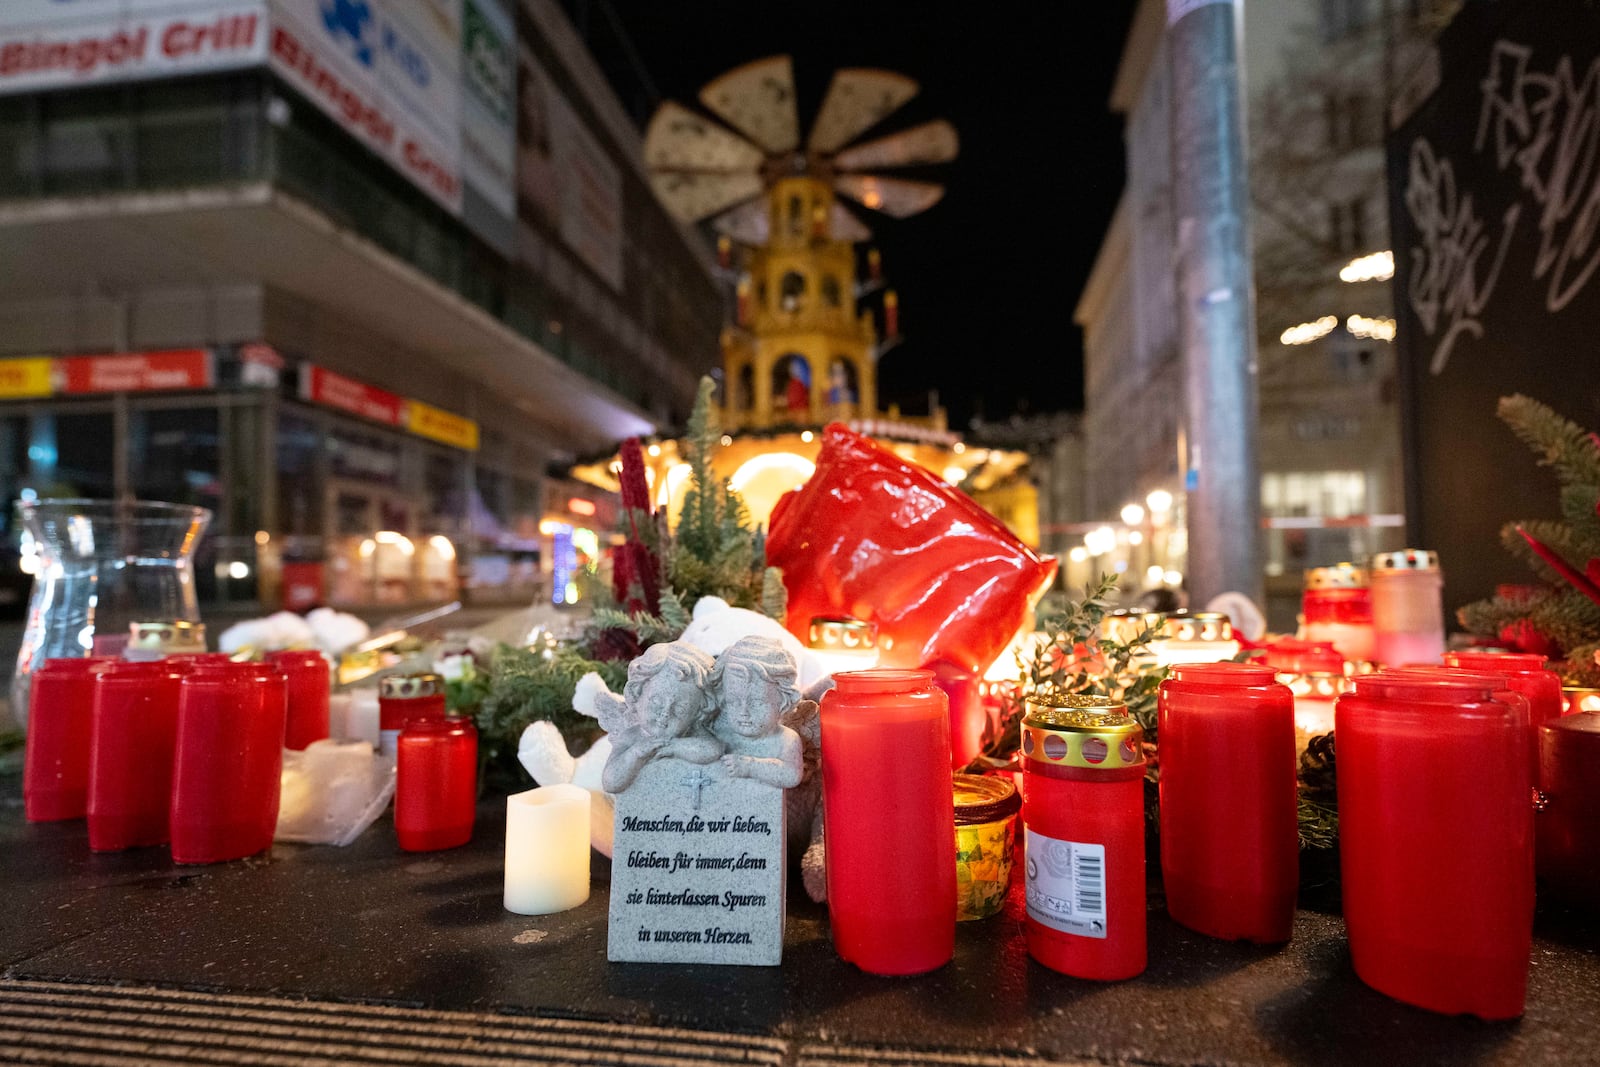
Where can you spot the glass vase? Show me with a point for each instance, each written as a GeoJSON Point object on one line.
{"type": "Point", "coordinates": [102, 565]}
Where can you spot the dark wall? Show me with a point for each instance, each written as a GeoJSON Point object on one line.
{"type": "Point", "coordinates": [1495, 215]}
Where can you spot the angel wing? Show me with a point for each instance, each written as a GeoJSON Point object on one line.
{"type": "Point", "coordinates": [612, 711]}
{"type": "Point", "coordinates": [805, 719]}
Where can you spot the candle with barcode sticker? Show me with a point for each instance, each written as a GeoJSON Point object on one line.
{"type": "Point", "coordinates": [1083, 810]}
{"type": "Point", "coordinates": [1230, 840]}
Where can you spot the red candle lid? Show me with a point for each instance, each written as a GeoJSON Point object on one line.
{"type": "Point", "coordinates": [437, 727]}
{"type": "Point", "coordinates": [297, 657]}
{"type": "Point", "coordinates": [1294, 656]}
{"type": "Point", "coordinates": [133, 674]}
{"type": "Point", "coordinates": [1500, 662]}
{"type": "Point", "coordinates": [75, 664]}
{"type": "Point", "coordinates": [1441, 683]}
{"type": "Point", "coordinates": [883, 680]}
{"type": "Point", "coordinates": [232, 671]}
{"type": "Point", "coordinates": [1230, 674]}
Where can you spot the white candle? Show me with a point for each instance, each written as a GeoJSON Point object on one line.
{"type": "Point", "coordinates": [361, 717]}
{"type": "Point", "coordinates": [547, 849]}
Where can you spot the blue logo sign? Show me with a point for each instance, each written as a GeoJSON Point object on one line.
{"type": "Point", "coordinates": [349, 19]}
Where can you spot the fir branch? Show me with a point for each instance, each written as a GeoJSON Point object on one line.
{"type": "Point", "coordinates": [1560, 444]}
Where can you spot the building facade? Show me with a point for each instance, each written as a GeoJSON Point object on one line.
{"type": "Point", "coordinates": [353, 276]}
{"type": "Point", "coordinates": [1316, 78]}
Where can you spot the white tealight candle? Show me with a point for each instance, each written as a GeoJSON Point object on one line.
{"type": "Point", "coordinates": [361, 716]}
{"type": "Point", "coordinates": [547, 849]}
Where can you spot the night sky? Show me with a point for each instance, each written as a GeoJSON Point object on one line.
{"type": "Point", "coordinates": [987, 278]}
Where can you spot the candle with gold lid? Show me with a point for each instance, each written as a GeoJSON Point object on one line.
{"type": "Point", "coordinates": [1336, 607]}
{"type": "Point", "coordinates": [1083, 812]}
{"type": "Point", "coordinates": [402, 698]}
{"type": "Point", "coordinates": [843, 643]}
{"type": "Point", "coordinates": [149, 640]}
{"type": "Point", "coordinates": [1407, 607]}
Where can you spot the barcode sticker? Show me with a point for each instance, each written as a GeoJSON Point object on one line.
{"type": "Point", "coordinates": [1067, 885]}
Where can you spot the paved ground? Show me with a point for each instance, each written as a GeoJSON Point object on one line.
{"type": "Point", "coordinates": [366, 954]}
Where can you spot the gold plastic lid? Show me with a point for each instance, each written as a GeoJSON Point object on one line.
{"type": "Point", "coordinates": [1316, 685]}
{"type": "Point", "coordinates": [834, 633]}
{"type": "Point", "coordinates": [1338, 576]}
{"type": "Point", "coordinates": [410, 686]}
{"type": "Point", "coordinates": [175, 636]}
{"type": "Point", "coordinates": [1087, 732]}
{"type": "Point", "coordinates": [1124, 626]}
{"type": "Point", "coordinates": [1407, 559]}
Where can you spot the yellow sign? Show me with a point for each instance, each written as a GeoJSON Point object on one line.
{"type": "Point", "coordinates": [436, 424]}
{"type": "Point", "coordinates": [25, 377]}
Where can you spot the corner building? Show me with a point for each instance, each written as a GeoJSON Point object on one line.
{"type": "Point", "coordinates": [352, 275]}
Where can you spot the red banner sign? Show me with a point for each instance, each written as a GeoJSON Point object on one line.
{"type": "Point", "coordinates": [336, 391]}
{"type": "Point", "coordinates": [136, 372]}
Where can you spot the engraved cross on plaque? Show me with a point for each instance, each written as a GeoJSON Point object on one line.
{"type": "Point", "coordinates": [696, 781]}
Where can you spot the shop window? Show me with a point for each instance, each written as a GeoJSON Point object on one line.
{"type": "Point", "coordinates": [300, 491]}
{"type": "Point", "coordinates": [71, 454]}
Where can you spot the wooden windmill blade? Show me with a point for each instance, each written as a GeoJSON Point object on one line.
{"type": "Point", "coordinates": [896, 197]}
{"type": "Point", "coordinates": [757, 99]}
{"type": "Point", "coordinates": [844, 226]}
{"type": "Point", "coordinates": [858, 99]}
{"type": "Point", "coordinates": [693, 196]}
{"type": "Point", "coordinates": [931, 142]}
{"type": "Point", "coordinates": [680, 139]}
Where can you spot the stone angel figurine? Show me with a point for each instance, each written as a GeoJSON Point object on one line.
{"type": "Point", "coordinates": [665, 711]}
{"type": "Point", "coordinates": [773, 736]}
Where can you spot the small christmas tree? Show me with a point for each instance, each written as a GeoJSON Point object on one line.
{"type": "Point", "coordinates": [1559, 617]}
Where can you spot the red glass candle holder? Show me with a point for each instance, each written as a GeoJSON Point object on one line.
{"type": "Point", "coordinates": [190, 660]}
{"type": "Point", "coordinates": [1568, 829]}
{"type": "Point", "coordinates": [404, 697]}
{"type": "Point", "coordinates": [1289, 655]}
{"type": "Point", "coordinates": [1436, 838]}
{"type": "Point", "coordinates": [1083, 814]}
{"type": "Point", "coordinates": [309, 681]}
{"type": "Point", "coordinates": [1337, 608]}
{"type": "Point", "coordinates": [131, 757]}
{"type": "Point", "coordinates": [1230, 839]}
{"type": "Point", "coordinates": [436, 784]}
{"type": "Point", "coordinates": [889, 819]}
{"type": "Point", "coordinates": [55, 767]}
{"type": "Point", "coordinates": [1529, 675]}
{"type": "Point", "coordinates": [229, 763]}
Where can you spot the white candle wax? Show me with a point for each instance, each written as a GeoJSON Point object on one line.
{"type": "Point", "coordinates": [361, 717]}
{"type": "Point", "coordinates": [547, 850]}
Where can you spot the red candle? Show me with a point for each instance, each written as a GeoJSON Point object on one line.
{"type": "Point", "coordinates": [130, 761]}
{"type": "Point", "coordinates": [1083, 810]}
{"type": "Point", "coordinates": [889, 820]}
{"type": "Point", "coordinates": [309, 681]}
{"type": "Point", "coordinates": [968, 716]}
{"type": "Point", "coordinates": [436, 784]}
{"type": "Point", "coordinates": [1527, 674]}
{"type": "Point", "coordinates": [403, 697]}
{"type": "Point", "coordinates": [1337, 607]}
{"type": "Point", "coordinates": [1230, 839]}
{"type": "Point", "coordinates": [1436, 838]}
{"type": "Point", "coordinates": [229, 763]}
{"type": "Point", "coordinates": [1568, 829]}
{"type": "Point", "coordinates": [1287, 655]}
{"type": "Point", "coordinates": [55, 768]}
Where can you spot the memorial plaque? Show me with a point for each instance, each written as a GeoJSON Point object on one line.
{"type": "Point", "coordinates": [698, 868]}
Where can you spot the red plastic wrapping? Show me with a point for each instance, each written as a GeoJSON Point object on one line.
{"type": "Point", "coordinates": [878, 538]}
